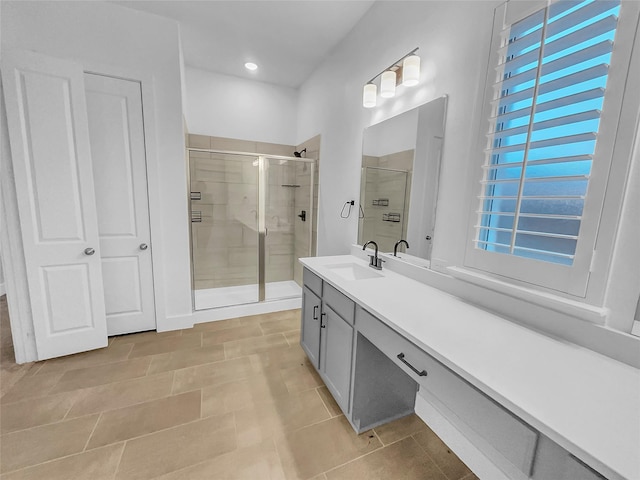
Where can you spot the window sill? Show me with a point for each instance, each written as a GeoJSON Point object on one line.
{"type": "Point", "coordinates": [582, 311]}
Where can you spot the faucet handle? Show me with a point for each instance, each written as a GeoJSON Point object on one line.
{"type": "Point", "coordinates": [375, 262]}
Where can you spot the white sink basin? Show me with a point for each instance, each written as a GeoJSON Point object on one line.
{"type": "Point", "coordinates": [353, 271]}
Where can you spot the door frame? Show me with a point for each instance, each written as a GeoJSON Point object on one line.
{"type": "Point", "coordinates": [12, 251]}
{"type": "Point", "coordinates": [152, 169]}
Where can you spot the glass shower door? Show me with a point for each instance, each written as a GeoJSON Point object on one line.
{"type": "Point", "coordinates": [288, 219]}
{"type": "Point", "coordinates": [224, 228]}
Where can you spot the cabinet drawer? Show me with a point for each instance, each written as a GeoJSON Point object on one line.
{"type": "Point", "coordinates": [392, 344]}
{"type": "Point", "coordinates": [511, 437]}
{"type": "Point", "coordinates": [340, 303]}
{"type": "Point", "coordinates": [312, 281]}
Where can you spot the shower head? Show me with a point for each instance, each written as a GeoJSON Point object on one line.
{"type": "Point", "coordinates": [299, 154]}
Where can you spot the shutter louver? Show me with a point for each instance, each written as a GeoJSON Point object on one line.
{"type": "Point", "coordinates": [548, 98]}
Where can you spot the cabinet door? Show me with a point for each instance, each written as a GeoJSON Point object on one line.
{"type": "Point", "coordinates": [310, 328]}
{"type": "Point", "coordinates": [49, 138]}
{"type": "Point", "coordinates": [335, 359]}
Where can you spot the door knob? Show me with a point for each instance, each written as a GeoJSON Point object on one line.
{"type": "Point", "coordinates": [143, 246]}
{"type": "Point", "coordinates": [89, 251]}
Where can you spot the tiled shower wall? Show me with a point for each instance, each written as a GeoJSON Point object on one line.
{"type": "Point", "coordinates": [303, 171]}
{"type": "Point", "coordinates": [390, 187]}
{"type": "Point", "coordinates": [225, 243]}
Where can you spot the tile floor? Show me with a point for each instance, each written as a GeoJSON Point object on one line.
{"type": "Point", "coordinates": [235, 399]}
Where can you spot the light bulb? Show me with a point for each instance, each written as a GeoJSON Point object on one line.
{"type": "Point", "coordinates": [250, 66]}
{"type": "Point", "coordinates": [388, 84]}
{"type": "Point", "coordinates": [411, 70]}
{"type": "Point", "coordinates": [369, 95]}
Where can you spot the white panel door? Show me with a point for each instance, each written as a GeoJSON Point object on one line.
{"type": "Point", "coordinates": [49, 137]}
{"type": "Point", "coordinates": [120, 175]}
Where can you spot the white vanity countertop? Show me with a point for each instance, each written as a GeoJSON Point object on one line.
{"type": "Point", "coordinates": [587, 403]}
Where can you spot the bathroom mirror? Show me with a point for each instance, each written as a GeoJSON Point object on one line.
{"type": "Point", "coordinates": [399, 182]}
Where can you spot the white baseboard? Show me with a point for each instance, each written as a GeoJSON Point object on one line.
{"type": "Point", "coordinates": [3, 290]}
{"type": "Point", "coordinates": [477, 461]}
{"type": "Point", "coordinates": [225, 313]}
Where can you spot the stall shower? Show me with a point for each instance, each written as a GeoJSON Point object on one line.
{"type": "Point", "coordinates": [251, 219]}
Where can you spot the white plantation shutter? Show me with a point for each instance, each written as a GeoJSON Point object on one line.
{"type": "Point", "coordinates": [544, 102]}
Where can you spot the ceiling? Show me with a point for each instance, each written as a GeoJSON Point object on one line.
{"type": "Point", "coordinates": [286, 39]}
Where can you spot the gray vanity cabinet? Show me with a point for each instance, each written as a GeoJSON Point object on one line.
{"type": "Point", "coordinates": [326, 335]}
{"type": "Point", "coordinates": [374, 373]}
{"type": "Point", "coordinates": [310, 326]}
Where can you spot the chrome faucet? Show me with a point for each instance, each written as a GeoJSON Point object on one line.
{"type": "Point", "coordinates": [395, 248]}
{"type": "Point", "coordinates": [374, 261]}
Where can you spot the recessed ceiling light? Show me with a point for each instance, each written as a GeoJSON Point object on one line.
{"type": "Point", "coordinates": [250, 66]}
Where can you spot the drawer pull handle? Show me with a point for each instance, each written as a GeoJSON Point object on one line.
{"type": "Point", "coordinates": [315, 312]}
{"type": "Point", "coordinates": [422, 373]}
{"type": "Point", "coordinates": [322, 315]}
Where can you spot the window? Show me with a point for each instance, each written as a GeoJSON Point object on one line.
{"type": "Point", "coordinates": [547, 152]}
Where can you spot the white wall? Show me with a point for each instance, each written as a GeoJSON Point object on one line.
{"type": "Point", "coordinates": [111, 39]}
{"type": "Point", "coordinates": [454, 40]}
{"type": "Point", "coordinates": [226, 106]}
{"type": "Point", "coordinates": [2, 288]}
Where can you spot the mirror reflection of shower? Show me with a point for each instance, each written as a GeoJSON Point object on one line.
{"type": "Point", "coordinates": [246, 230]}
{"type": "Point", "coordinates": [384, 199]}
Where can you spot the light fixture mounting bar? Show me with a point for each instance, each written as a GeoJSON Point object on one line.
{"type": "Point", "coordinates": [397, 63]}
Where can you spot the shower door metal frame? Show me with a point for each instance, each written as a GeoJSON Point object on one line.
{"type": "Point", "coordinates": [263, 182]}
{"type": "Point", "coordinates": [263, 185]}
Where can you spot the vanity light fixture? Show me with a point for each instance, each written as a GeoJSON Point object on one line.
{"type": "Point", "coordinates": [407, 68]}
{"type": "Point", "coordinates": [388, 84]}
{"type": "Point", "coordinates": [411, 70]}
{"type": "Point", "coordinates": [369, 95]}
{"type": "Point", "coordinates": [250, 66]}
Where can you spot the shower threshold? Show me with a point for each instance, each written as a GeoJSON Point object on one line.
{"type": "Point", "coordinates": [242, 294]}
